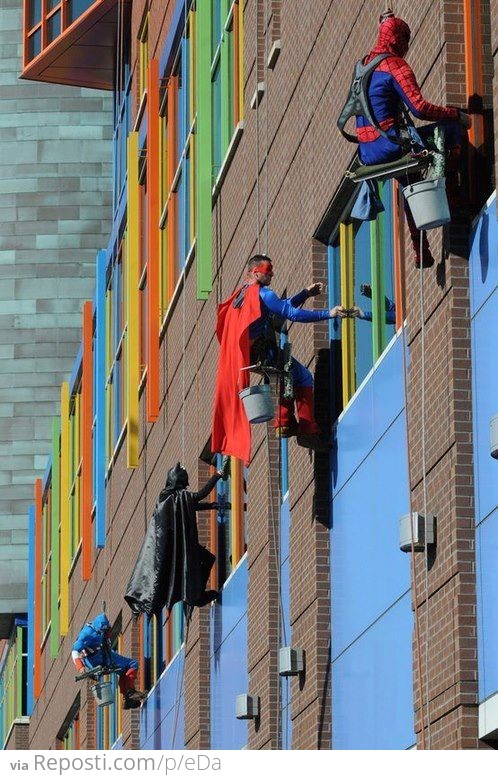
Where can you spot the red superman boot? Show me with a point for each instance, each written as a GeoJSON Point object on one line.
{"type": "Point", "coordinates": [308, 431]}
{"type": "Point", "coordinates": [285, 424]}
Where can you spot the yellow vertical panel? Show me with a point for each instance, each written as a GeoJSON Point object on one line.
{"type": "Point", "coordinates": [65, 548]}
{"type": "Point", "coordinates": [347, 300]}
{"type": "Point", "coordinates": [132, 307]}
{"type": "Point", "coordinates": [240, 9]}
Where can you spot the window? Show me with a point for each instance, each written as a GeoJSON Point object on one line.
{"type": "Point", "coordinates": [362, 267]}
{"type": "Point", "coordinates": [13, 679]}
{"type": "Point", "coordinates": [46, 559]}
{"type": "Point", "coordinates": [143, 55]}
{"type": "Point", "coordinates": [110, 718]}
{"type": "Point", "coordinates": [115, 313]}
{"type": "Point", "coordinates": [176, 160]}
{"type": "Point", "coordinates": [45, 21]}
{"type": "Point", "coordinates": [227, 87]}
{"type": "Point", "coordinates": [75, 471]}
{"type": "Point", "coordinates": [122, 121]}
{"type": "Point", "coordinates": [228, 524]}
{"type": "Point", "coordinates": [71, 738]}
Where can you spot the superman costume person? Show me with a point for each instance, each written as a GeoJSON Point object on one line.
{"type": "Point", "coordinates": [391, 83]}
{"type": "Point", "coordinates": [243, 321]}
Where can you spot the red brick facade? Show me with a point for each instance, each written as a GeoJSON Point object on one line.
{"type": "Point", "coordinates": [302, 163]}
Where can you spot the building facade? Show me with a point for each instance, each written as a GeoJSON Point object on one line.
{"type": "Point", "coordinates": [224, 145]}
{"type": "Point", "coordinates": [55, 181]}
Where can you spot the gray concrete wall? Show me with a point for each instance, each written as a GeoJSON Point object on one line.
{"type": "Point", "coordinates": [55, 209]}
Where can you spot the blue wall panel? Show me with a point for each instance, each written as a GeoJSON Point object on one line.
{"type": "Point", "coordinates": [368, 571]}
{"type": "Point", "coordinates": [373, 409]}
{"type": "Point", "coordinates": [485, 403]}
{"type": "Point", "coordinates": [157, 717]}
{"type": "Point", "coordinates": [483, 258]}
{"type": "Point", "coordinates": [487, 610]}
{"type": "Point", "coordinates": [229, 661]}
{"type": "Point", "coordinates": [484, 328]}
{"type": "Point", "coordinates": [372, 705]}
{"type": "Point", "coordinates": [372, 621]}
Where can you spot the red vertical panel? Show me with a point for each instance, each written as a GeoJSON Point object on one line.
{"type": "Point", "coordinates": [86, 443]}
{"type": "Point", "coordinates": [37, 679]}
{"type": "Point", "coordinates": [172, 162]}
{"type": "Point", "coordinates": [153, 173]}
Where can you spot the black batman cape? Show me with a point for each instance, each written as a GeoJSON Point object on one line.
{"type": "Point", "coordinates": [172, 566]}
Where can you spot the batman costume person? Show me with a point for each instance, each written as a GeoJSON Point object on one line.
{"type": "Point", "coordinates": [172, 566]}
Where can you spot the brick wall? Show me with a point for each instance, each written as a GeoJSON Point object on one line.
{"type": "Point", "coordinates": [301, 165]}
{"type": "Point", "coordinates": [19, 737]}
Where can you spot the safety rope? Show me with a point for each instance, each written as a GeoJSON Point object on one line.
{"type": "Point", "coordinates": [413, 576]}
{"type": "Point", "coordinates": [185, 618]}
{"type": "Point", "coordinates": [424, 488]}
{"type": "Point", "coordinates": [180, 680]}
{"type": "Point", "coordinates": [267, 103]}
{"type": "Point", "coordinates": [258, 225]}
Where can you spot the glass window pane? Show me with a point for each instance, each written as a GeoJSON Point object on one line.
{"type": "Point", "coordinates": [34, 44]}
{"type": "Point", "coordinates": [362, 277]}
{"type": "Point", "coordinates": [54, 26]}
{"type": "Point", "coordinates": [77, 7]}
{"type": "Point", "coordinates": [34, 13]}
{"type": "Point", "coordinates": [51, 4]}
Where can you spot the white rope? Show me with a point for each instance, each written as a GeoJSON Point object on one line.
{"type": "Point", "coordinates": [258, 225]}
{"type": "Point", "coordinates": [424, 488]}
{"type": "Point", "coordinates": [267, 212]}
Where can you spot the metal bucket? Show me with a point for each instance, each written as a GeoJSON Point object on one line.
{"type": "Point", "coordinates": [103, 692]}
{"type": "Point", "coordinates": [428, 203]}
{"type": "Point", "coordinates": [258, 403]}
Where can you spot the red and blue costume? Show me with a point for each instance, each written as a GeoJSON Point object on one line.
{"type": "Point", "coordinates": [92, 649]}
{"type": "Point", "coordinates": [244, 318]}
{"type": "Point", "coordinates": [391, 83]}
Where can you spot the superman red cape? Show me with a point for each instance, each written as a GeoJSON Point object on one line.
{"type": "Point", "coordinates": [231, 432]}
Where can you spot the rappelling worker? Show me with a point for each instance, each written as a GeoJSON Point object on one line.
{"type": "Point", "coordinates": [93, 648]}
{"type": "Point", "coordinates": [172, 565]}
{"type": "Point", "coordinates": [388, 133]}
{"type": "Point", "coordinates": [244, 330]}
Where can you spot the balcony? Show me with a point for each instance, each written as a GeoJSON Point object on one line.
{"type": "Point", "coordinates": [73, 42]}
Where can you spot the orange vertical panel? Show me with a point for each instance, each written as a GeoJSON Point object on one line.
{"type": "Point", "coordinates": [86, 443]}
{"type": "Point", "coordinates": [172, 162]}
{"type": "Point", "coordinates": [398, 240]}
{"type": "Point", "coordinates": [236, 66]}
{"type": "Point", "coordinates": [473, 82]}
{"type": "Point", "coordinates": [37, 678]}
{"type": "Point", "coordinates": [153, 180]}
{"type": "Point", "coordinates": [168, 645]}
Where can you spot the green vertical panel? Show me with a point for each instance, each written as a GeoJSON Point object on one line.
{"type": "Point", "coordinates": [225, 83]}
{"type": "Point", "coordinates": [204, 153]}
{"type": "Point", "coordinates": [378, 303]}
{"type": "Point", "coordinates": [18, 689]}
{"type": "Point", "coordinates": [54, 582]}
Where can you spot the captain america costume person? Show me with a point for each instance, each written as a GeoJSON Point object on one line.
{"type": "Point", "coordinates": [92, 649]}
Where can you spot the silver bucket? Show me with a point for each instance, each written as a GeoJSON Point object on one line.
{"type": "Point", "coordinates": [103, 692]}
{"type": "Point", "coordinates": [428, 203]}
{"type": "Point", "coordinates": [258, 403]}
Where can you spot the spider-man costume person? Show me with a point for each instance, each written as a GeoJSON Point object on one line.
{"type": "Point", "coordinates": [393, 81]}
